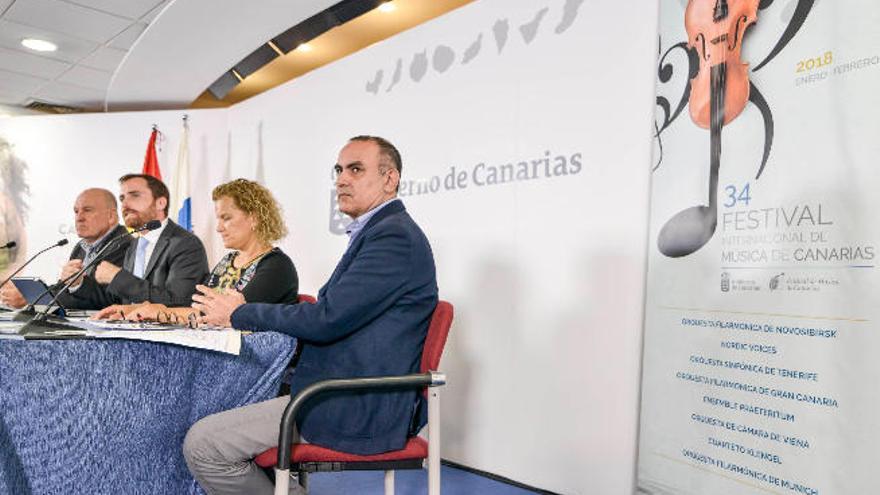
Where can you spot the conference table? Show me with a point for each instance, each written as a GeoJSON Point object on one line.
{"type": "Point", "coordinates": [109, 416]}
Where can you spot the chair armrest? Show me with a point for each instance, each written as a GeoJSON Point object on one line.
{"type": "Point", "coordinates": [285, 436]}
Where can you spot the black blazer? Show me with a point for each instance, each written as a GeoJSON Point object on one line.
{"type": "Point", "coordinates": [177, 264]}
{"type": "Point", "coordinates": [115, 255]}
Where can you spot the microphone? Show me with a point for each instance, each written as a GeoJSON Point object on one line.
{"type": "Point", "coordinates": [11, 244]}
{"type": "Point", "coordinates": [67, 282]}
{"type": "Point", "coordinates": [151, 225]}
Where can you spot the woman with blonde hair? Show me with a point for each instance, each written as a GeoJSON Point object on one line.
{"type": "Point", "coordinates": [249, 221]}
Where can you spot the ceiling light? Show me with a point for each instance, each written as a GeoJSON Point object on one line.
{"type": "Point", "coordinates": [39, 45]}
{"type": "Point", "coordinates": [304, 47]}
{"type": "Point", "coordinates": [387, 7]}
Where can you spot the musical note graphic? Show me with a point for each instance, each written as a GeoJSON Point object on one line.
{"type": "Point", "coordinates": [719, 92]}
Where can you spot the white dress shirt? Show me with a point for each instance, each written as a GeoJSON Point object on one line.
{"type": "Point", "coordinates": [152, 236]}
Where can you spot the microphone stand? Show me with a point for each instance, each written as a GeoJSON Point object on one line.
{"type": "Point", "coordinates": [39, 325]}
{"type": "Point", "coordinates": [29, 310]}
{"type": "Point", "coordinates": [29, 313]}
{"type": "Point", "coordinates": [69, 278]}
{"type": "Point", "coordinates": [32, 258]}
{"type": "Point", "coordinates": [41, 321]}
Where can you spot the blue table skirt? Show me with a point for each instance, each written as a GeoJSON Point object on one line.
{"type": "Point", "coordinates": [109, 417]}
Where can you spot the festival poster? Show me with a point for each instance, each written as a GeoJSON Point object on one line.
{"type": "Point", "coordinates": [759, 364]}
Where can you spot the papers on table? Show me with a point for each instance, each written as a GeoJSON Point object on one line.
{"type": "Point", "coordinates": [226, 340]}
{"type": "Point", "coordinates": [211, 338]}
{"type": "Point", "coordinates": [126, 325]}
{"type": "Point", "coordinates": [9, 330]}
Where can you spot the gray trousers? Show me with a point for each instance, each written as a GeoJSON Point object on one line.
{"type": "Point", "coordinates": [220, 448]}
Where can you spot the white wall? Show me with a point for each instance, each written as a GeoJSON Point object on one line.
{"type": "Point", "coordinates": [66, 154]}
{"type": "Point", "coordinates": [546, 274]}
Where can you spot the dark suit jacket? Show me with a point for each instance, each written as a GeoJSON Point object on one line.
{"type": "Point", "coordinates": [371, 319]}
{"type": "Point", "coordinates": [177, 264]}
{"type": "Point", "coordinates": [115, 255]}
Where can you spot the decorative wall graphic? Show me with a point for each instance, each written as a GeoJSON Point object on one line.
{"type": "Point", "coordinates": [419, 66]}
{"type": "Point", "coordinates": [473, 50]}
{"type": "Point", "coordinates": [443, 56]}
{"type": "Point", "coordinates": [570, 13]}
{"type": "Point", "coordinates": [398, 73]}
{"type": "Point", "coordinates": [373, 86]}
{"type": "Point", "coordinates": [499, 31]}
{"type": "Point", "coordinates": [530, 29]}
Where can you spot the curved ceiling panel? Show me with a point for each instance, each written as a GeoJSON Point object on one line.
{"type": "Point", "coordinates": [192, 42]}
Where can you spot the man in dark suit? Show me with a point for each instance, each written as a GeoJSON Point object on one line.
{"type": "Point", "coordinates": [96, 223]}
{"type": "Point", "coordinates": [370, 319]}
{"type": "Point", "coordinates": [160, 266]}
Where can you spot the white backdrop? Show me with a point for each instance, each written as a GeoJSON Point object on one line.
{"type": "Point", "coordinates": [66, 154]}
{"type": "Point", "coordinates": [526, 144]}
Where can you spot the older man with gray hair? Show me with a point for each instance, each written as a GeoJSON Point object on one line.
{"type": "Point", "coordinates": [97, 222]}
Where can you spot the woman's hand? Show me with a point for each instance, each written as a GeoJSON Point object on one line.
{"type": "Point", "coordinates": [216, 307]}
{"type": "Point", "coordinates": [149, 312]}
{"type": "Point", "coordinates": [115, 312]}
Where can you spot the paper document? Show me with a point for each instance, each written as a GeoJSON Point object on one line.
{"type": "Point", "coordinates": [9, 330]}
{"type": "Point", "coordinates": [220, 340]}
{"type": "Point", "coordinates": [129, 325]}
{"type": "Point", "coordinates": [211, 338]}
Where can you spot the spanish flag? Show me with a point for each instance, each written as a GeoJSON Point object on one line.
{"type": "Point", "coordinates": [151, 161]}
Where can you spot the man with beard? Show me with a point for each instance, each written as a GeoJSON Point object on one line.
{"type": "Point", "coordinates": [160, 266]}
{"type": "Point", "coordinates": [96, 223]}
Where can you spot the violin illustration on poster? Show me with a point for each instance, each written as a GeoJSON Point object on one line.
{"type": "Point", "coordinates": [717, 92]}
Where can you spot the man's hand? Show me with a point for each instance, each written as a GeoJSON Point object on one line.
{"type": "Point", "coordinates": [69, 269]}
{"type": "Point", "coordinates": [216, 307]}
{"type": "Point", "coordinates": [11, 297]}
{"type": "Point", "coordinates": [105, 272]}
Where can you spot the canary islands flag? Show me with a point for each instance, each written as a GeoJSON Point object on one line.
{"type": "Point", "coordinates": [181, 199]}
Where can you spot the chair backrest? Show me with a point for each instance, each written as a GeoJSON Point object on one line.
{"type": "Point", "coordinates": [438, 330]}
{"type": "Point", "coordinates": [305, 298]}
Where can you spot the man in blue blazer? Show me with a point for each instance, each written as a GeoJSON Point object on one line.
{"type": "Point", "coordinates": [371, 319]}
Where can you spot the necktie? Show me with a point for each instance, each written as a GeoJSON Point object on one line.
{"type": "Point", "coordinates": [90, 253]}
{"type": "Point", "coordinates": [140, 257]}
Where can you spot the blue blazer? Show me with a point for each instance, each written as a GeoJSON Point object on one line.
{"type": "Point", "coordinates": [371, 319]}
